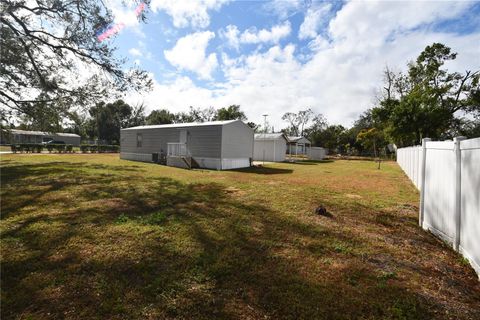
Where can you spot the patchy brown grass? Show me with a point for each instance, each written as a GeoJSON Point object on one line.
{"type": "Point", "coordinates": [92, 236]}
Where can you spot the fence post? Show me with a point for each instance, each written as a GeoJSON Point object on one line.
{"type": "Point", "coordinates": [422, 181]}
{"type": "Point", "coordinates": [458, 190]}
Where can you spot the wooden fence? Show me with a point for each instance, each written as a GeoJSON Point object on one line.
{"type": "Point", "coordinates": [447, 174]}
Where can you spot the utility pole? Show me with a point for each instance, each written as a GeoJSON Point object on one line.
{"type": "Point", "coordinates": [264, 135]}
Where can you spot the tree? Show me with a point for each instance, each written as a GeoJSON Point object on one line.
{"type": "Point", "coordinates": [297, 121]}
{"type": "Point", "coordinates": [303, 118]}
{"type": "Point", "coordinates": [372, 139]}
{"type": "Point", "coordinates": [333, 137]}
{"type": "Point", "coordinates": [232, 112]}
{"type": "Point", "coordinates": [41, 118]}
{"type": "Point", "coordinates": [292, 129]}
{"type": "Point", "coordinates": [46, 49]}
{"type": "Point", "coordinates": [161, 116]}
{"type": "Point", "coordinates": [254, 126]}
{"type": "Point", "coordinates": [319, 123]}
{"type": "Point", "coordinates": [109, 118]}
{"type": "Point", "coordinates": [428, 101]}
{"type": "Point", "coordinates": [197, 115]}
{"type": "Point", "coordinates": [137, 117]}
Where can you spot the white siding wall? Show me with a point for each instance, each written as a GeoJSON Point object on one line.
{"type": "Point", "coordinates": [275, 150]}
{"type": "Point", "coordinates": [144, 157]}
{"type": "Point", "coordinates": [236, 163]}
{"type": "Point", "coordinates": [451, 195]}
{"type": "Point", "coordinates": [316, 153]}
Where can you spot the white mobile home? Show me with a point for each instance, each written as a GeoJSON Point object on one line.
{"type": "Point", "coordinates": [214, 145]}
{"type": "Point", "coordinates": [23, 136]}
{"type": "Point", "coordinates": [270, 147]}
{"type": "Point", "coordinates": [298, 145]}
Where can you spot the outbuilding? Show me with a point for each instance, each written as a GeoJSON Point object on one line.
{"type": "Point", "coordinates": [317, 153]}
{"type": "Point", "coordinates": [216, 145]}
{"type": "Point", "coordinates": [298, 145]}
{"type": "Point", "coordinates": [270, 147]}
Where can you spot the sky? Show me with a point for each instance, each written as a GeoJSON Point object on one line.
{"type": "Point", "coordinates": [273, 57]}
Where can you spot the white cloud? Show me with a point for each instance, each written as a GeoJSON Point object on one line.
{"type": "Point", "coordinates": [313, 21]}
{"type": "Point", "coordinates": [341, 75]}
{"type": "Point", "coordinates": [266, 36]}
{"type": "Point", "coordinates": [189, 54]}
{"type": "Point", "coordinates": [285, 8]}
{"type": "Point", "coordinates": [135, 52]}
{"type": "Point", "coordinates": [188, 12]}
{"type": "Point", "coordinates": [231, 33]}
{"type": "Point", "coordinates": [254, 36]}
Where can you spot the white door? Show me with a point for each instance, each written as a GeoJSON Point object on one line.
{"type": "Point", "coordinates": [183, 136]}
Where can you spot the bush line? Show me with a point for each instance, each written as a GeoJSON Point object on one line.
{"type": "Point", "coordinates": [62, 148]}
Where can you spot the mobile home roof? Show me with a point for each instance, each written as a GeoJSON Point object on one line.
{"type": "Point", "coordinates": [41, 133]}
{"type": "Point", "coordinates": [182, 125]}
{"type": "Point", "coordinates": [270, 136]}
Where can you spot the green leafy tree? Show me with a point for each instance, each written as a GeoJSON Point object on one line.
{"type": "Point", "coordinates": [232, 112]}
{"type": "Point", "coordinates": [161, 116]}
{"type": "Point", "coordinates": [254, 126]}
{"type": "Point", "coordinates": [109, 118]}
{"type": "Point", "coordinates": [333, 137]}
{"type": "Point", "coordinates": [42, 118]}
{"type": "Point", "coordinates": [45, 48]}
{"type": "Point", "coordinates": [428, 101]}
{"type": "Point", "coordinates": [372, 139]}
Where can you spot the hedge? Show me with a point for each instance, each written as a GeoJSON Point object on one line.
{"type": "Point", "coordinates": [93, 148]}
{"type": "Point", "coordinates": [38, 147]}
{"type": "Point", "coordinates": [62, 148]}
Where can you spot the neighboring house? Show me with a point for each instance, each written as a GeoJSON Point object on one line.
{"type": "Point", "coordinates": [22, 136]}
{"type": "Point", "coordinates": [298, 145]}
{"type": "Point", "coordinates": [214, 145]}
{"type": "Point", "coordinates": [270, 147]}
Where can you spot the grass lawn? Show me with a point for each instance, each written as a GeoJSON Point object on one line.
{"type": "Point", "coordinates": [91, 236]}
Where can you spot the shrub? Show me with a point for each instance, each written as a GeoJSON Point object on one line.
{"type": "Point", "coordinates": [25, 147]}
{"type": "Point", "coordinates": [60, 147]}
{"type": "Point", "coordinates": [38, 148]}
{"type": "Point", "coordinates": [122, 219]}
{"type": "Point", "coordinates": [84, 148]}
{"type": "Point", "coordinates": [155, 218]}
{"type": "Point", "coordinates": [13, 147]}
{"type": "Point", "coordinates": [50, 147]}
{"type": "Point", "coordinates": [93, 148]}
{"type": "Point", "coordinates": [69, 148]}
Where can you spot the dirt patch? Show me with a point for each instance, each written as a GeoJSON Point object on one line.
{"type": "Point", "coordinates": [353, 196]}
{"type": "Point", "coordinates": [233, 190]}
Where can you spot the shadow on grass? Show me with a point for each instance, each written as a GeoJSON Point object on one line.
{"type": "Point", "coordinates": [264, 170]}
{"type": "Point", "coordinates": [96, 245]}
{"type": "Point", "coordinates": [310, 162]}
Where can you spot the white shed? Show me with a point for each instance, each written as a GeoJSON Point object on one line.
{"type": "Point", "coordinates": [270, 147]}
{"type": "Point", "coordinates": [317, 153]}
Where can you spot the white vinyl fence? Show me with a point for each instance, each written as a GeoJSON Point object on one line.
{"type": "Point", "coordinates": [447, 173]}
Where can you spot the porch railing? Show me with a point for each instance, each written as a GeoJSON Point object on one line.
{"type": "Point", "coordinates": [176, 149]}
